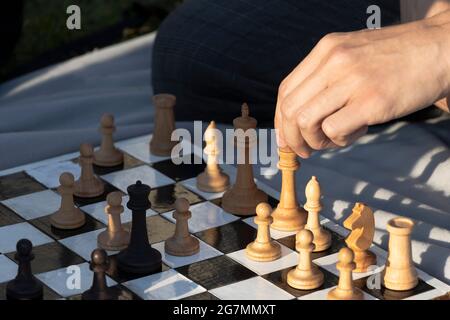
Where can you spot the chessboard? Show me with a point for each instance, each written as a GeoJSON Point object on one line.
{"type": "Point", "coordinates": [221, 269]}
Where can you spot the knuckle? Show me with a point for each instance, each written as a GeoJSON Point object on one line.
{"type": "Point", "coordinates": [330, 129]}
{"type": "Point", "coordinates": [304, 121]}
{"type": "Point", "coordinates": [340, 55]}
{"type": "Point", "coordinates": [283, 90]}
{"type": "Point", "coordinates": [288, 108]}
{"type": "Point", "coordinates": [330, 40]}
{"type": "Point", "coordinates": [276, 122]}
{"type": "Point", "coordinates": [334, 134]}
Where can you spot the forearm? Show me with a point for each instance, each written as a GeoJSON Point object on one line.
{"type": "Point", "coordinates": [412, 10]}
{"type": "Point", "coordinates": [441, 22]}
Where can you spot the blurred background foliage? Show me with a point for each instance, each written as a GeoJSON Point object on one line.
{"type": "Point", "coordinates": [33, 33]}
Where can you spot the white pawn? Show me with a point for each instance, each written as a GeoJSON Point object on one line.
{"type": "Point", "coordinates": [345, 289]}
{"type": "Point", "coordinates": [68, 216]}
{"type": "Point", "coordinates": [115, 237]}
{"type": "Point", "coordinates": [182, 243]}
{"type": "Point", "coordinates": [306, 276]}
{"type": "Point", "coordinates": [107, 155]}
{"type": "Point", "coordinates": [263, 248]}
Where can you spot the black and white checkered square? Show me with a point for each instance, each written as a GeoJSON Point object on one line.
{"type": "Point", "coordinates": [220, 270]}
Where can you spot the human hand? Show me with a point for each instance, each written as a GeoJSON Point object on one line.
{"type": "Point", "coordinates": [353, 80]}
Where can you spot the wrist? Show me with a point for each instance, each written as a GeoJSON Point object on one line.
{"type": "Point", "coordinates": [438, 28]}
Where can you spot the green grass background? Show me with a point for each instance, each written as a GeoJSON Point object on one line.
{"type": "Point", "coordinates": [44, 25]}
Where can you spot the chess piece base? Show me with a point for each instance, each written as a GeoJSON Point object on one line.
{"type": "Point", "coordinates": [161, 150]}
{"type": "Point", "coordinates": [408, 279]}
{"type": "Point", "coordinates": [94, 189]}
{"type": "Point", "coordinates": [147, 261]}
{"type": "Point", "coordinates": [34, 292]}
{"type": "Point", "coordinates": [263, 252]}
{"type": "Point", "coordinates": [109, 294]}
{"type": "Point", "coordinates": [58, 220]}
{"type": "Point", "coordinates": [216, 183]}
{"type": "Point", "coordinates": [182, 247]}
{"type": "Point", "coordinates": [109, 160]}
{"type": "Point", "coordinates": [305, 280]}
{"type": "Point", "coordinates": [243, 202]}
{"type": "Point", "coordinates": [289, 219]}
{"type": "Point", "coordinates": [363, 260]}
{"type": "Point", "coordinates": [339, 294]}
{"type": "Point", "coordinates": [113, 241]}
{"type": "Point", "coordinates": [397, 295]}
{"type": "Point", "coordinates": [18, 290]}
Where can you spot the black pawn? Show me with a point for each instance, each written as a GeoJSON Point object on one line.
{"type": "Point", "coordinates": [99, 289]}
{"type": "Point", "coordinates": [25, 286]}
{"type": "Point", "coordinates": [139, 257]}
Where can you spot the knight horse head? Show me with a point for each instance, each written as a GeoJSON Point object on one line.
{"type": "Point", "coordinates": [361, 222]}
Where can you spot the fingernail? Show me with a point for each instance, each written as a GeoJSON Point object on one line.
{"type": "Point", "coordinates": [304, 155]}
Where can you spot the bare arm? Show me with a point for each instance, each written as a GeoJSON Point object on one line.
{"type": "Point", "coordinates": [412, 10]}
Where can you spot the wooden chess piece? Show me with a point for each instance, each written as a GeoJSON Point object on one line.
{"type": "Point", "coordinates": [88, 185]}
{"type": "Point", "coordinates": [99, 289]}
{"type": "Point", "coordinates": [345, 289]}
{"type": "Point", "coordinates": [139, 257]}
{"type": "Point", "coordinates": [182, 243]}
{"type": "Point", "coordinates": [322, 238]}
{"type": "Point", "coordinates": [212, 179]}
{"type": "Point", "coordinates": [288, 216]}
{"type": "Point", "coordinates": [306, 276]}
{"type": "Point", "coordinates": [24, 286]}
{"type": "Point", "coordinates": [263, 248]}
{"type": "Point", "coordinates": [243, 197]}
{"type": "Point", "coordinates": [107, 155]}
{"type": "Point", "coordinates": [400, 273]}
{"type": "Point", "coordinates": [362, 225]}
{"type": "Point", "coordinates": [161, 143]}
{"type": "Point", "coordinates": [115, 237]}
{"type": "Point", "coordinates": [68, 215]}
